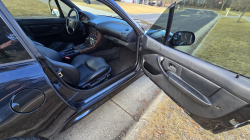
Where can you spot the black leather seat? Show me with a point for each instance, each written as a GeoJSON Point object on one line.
{"type": "Point", "coordinates": [59, 46]}
{"type": "Point", "coordinates": [83, 71]}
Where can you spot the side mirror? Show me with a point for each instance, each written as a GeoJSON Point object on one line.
{"type": "Point", "coordinates": [182, 38]}
{"type": "Point", "coordinates": [55, 12]}
{"type": "Point", "coordinates": [87, 1]}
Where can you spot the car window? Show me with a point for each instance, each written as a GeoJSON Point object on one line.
{"type": "Point", "coordinates": [65, 9]}
{"type": "Point", "coordinates": [11, 50]}
{"type": "Point", "coordinates": [30, 9]}
{"type": "Point", "coordinates": [96, 8]}
{"type": "Point", "coordinates": [221, 33]}
{"type": "Point", "coordinates": [158, 29]}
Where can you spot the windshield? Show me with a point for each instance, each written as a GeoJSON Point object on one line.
{"type": "Point", "coordinates": [96, 8]}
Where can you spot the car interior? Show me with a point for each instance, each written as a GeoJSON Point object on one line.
{"type": "Point", "coordinates": [85, 49]}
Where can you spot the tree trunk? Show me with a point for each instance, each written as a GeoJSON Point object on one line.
{"type": "Point", "coordinates": [223, 3]}
{"type": "Point", "coordinates": [205, 5]}
{"type": "Point", "coordinates": [156, 3]}
{"type": "Point", "coordinates": [243, 13]}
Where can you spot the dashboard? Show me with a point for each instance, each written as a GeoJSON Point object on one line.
{"type": "Point", "coordinates": [83, 18]}
{"type": "Point", "coordinates": [113, 29]}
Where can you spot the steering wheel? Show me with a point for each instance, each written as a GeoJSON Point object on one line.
{"type": "Point", "coordinates": [72, 23]}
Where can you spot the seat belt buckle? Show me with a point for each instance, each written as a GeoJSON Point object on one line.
{"type": "Point", "coordinates": [59, 72]}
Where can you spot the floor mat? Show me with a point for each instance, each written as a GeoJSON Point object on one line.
{"type": "Point", "coordinates": [118, 58]}
{"type": "Point", "coordinates": [109, 55]}
{"type": "Point", "coordinates": [127, 59]}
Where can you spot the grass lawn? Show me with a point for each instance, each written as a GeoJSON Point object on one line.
{"type": "Point", "coordinates": [169, 121]}
{"type": "Point", "coordinates": [228, 46]}
{"type": "Point", "coordinates": [27, 7]}
{"type": "Point", "coordinates": [131, 8]}
{"type": "Point", "coordinates": [246, 14]}
{"type": "Point", "coordinates": [224, 13]}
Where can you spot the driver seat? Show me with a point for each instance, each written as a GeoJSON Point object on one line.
{"type": "Point", "coordinates": [57, 46]}
{"type": "Point", "coordinates": [83, 71]}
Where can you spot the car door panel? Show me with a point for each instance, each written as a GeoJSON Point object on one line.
{"type": "Point", "coordinates": [43, 27]}
{"type": "Point", "coordinates": [204, 86]}
{"type": "Point", "coordinates": [48, 31]}
{"type": "Point", "coordinates": [207, 92]}
{"type": "Point", "coordinates": [40, 29]}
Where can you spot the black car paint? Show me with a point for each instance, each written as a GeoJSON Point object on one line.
{"type": "Point", "coordinates": [15, 79]}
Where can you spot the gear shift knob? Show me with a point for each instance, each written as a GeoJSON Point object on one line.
{"type": "Point", "coordinates": [87, 40]}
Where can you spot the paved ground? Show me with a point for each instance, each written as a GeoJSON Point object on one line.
{"type": "Point", "coordinates": [188, 20]}
{"type": "Point", "coordinates": [115, 117]}
{"type": "Point", "coordinates": [191, 20]}
{"type": "Point", "coordinates": [144, 120]}
{"type": "Point", "coordinates": [147, 17]}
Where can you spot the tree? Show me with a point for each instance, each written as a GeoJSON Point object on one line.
{"type": "Point", "coordinates": [156, 3]}
{"type": "Point", "coordinates": [223, 3]}
{"type": "Point", "coordinates": [165, 2]}
{"type": "Point", "coordinates": [246, 2]}
{"type": "Point", "coordinates": [205, 4]}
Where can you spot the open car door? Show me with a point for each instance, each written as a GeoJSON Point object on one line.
{"type": "Point", "coordinates": [216, 98]}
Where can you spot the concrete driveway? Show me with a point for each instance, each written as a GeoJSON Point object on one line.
{"type": "Point", "coordinates": [113, 119]}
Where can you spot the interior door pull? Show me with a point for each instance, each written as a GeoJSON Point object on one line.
{"type": "Point", "coordinates": [188, 90]}
{"type": "Point", "coordinates": [159, 60]}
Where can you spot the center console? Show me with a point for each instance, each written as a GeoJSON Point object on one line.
{"type": "Point", "coordinates": [92, 41]}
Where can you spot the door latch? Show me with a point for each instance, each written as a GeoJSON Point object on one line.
{"type": "Point", "coordinates": [59, 72]}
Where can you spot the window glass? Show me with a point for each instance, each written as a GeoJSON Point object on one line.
{"type": "Point", "coordinates": [30, 9]}
{"type": "Point", "coordinates": [158, 29]}
{"type": "Point", "coordinates": [221, 35]}
{"type": "Point", "coordinates": [11, 50]}
{"type": "Point", "coordinates": [65, 9]}
{"type": "Point", "coordinates": [96, 8]}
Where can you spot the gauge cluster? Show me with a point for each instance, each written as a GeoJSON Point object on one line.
{"type": "Point", "coordinates": [116, 30]}
{"type": "Point", "coordinates": [84, 18]}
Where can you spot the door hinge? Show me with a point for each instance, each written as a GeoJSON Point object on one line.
{"type": "Point", "coordinates": [140, 43]}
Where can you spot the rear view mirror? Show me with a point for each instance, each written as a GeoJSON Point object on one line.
{"type": "Point", "coordinates": [55, 12]}
{"type": "Point", "coordinates": [182, 38]}
{"type": "Point", "coordinates": [87, 1]}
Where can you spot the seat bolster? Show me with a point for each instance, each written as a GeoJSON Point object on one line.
{"type": "Point", "coordinates": [52, 54]}
{"type": "Point", "coordinates": [92, 69]}
{"type": "Point", "coordinates": [70, 73]}
{"type": "Point", "coordinates": [96, 75]}
{"type": "Point", "coordinates": [96, 63]}
{"type": "Point", "coordinates": [79, 60]}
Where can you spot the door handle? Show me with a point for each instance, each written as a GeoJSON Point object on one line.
{"type": "Point", "coordinates": [188, 90]}
{"type": "Point", "coordinates": [160, 59]}
{"type": "Point", "coordinates": [55, 28]}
